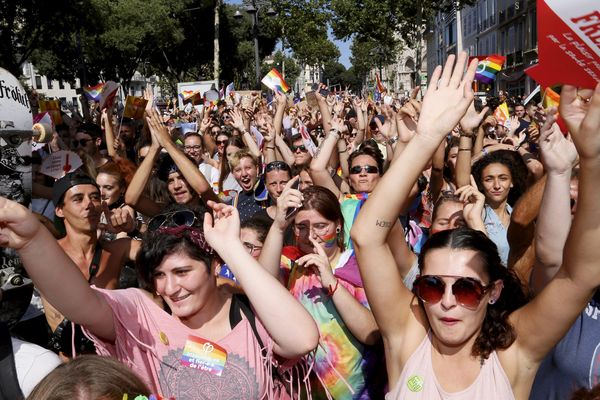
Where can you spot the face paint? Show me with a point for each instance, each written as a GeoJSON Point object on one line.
{"type": "Point", "coordinates": [329, 241]}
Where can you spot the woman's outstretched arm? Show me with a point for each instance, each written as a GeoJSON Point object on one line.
{"type": "Point", "coordinates": [390, 301]}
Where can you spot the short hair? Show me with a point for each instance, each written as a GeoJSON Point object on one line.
{"type": "Point", "coordinates": [260, 225]}
{"type": "Point", "coordinates": [190, 134]}
{"type": "Point", "coordinates": [366, 149]}
{"type": "Point", "coordinates": [235, 159]}
{"type": "Point", "coordinates": [90, 377]}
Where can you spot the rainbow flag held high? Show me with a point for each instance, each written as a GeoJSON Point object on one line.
{"type": "Point", "coordinates": [488, 69]}
{"type": "Point", "coordinates": [379, 86]}
{"type": "Point", "coordinates": [502, 116]}
{"type": "Point", "coordinates": [93, 92]}
{"type": "Point", "coordinates": [274, 81]}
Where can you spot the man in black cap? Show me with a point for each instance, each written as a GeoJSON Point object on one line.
{"type": "Point", "coordinates": [77, 200]}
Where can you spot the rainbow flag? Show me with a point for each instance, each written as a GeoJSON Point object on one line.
{"type": "Point", "coordinates": [191, 96]}
{"type": "Point", "coordinates": [350, 207]}
{"type": "Point", "coordinates": [93, 92]}
{"type": "Point", "coordinates": [274, 81]}
{"type": "Point", "coordinates": [488, 68]}
{"type": "Point", "coordinates": [501, 114]}
{"type": "Point", "coordinates": [379, 86]}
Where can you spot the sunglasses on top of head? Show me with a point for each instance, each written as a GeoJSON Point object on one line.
{"type": "Point", "coordinates": [467, 291]}
{"type": "Point", "coordinates": [369, 169]}
{"type": "Point", "coordinates": [177, 218]}
{"type": "Point", "coordinates": [302, 148]}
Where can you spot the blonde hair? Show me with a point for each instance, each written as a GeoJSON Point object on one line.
{"type": "Point", "coordinates": [235, 159]}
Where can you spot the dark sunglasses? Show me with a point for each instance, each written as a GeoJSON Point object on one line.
{"type": "Point", "coordinates": [219, 142]}
{"type": "Point", "coordinates": [302, 148]}
{"type": "Point", "coordinates": [467, 291]}
{"type": "Point", "coordinates": [177, 218]}
{"type": "Point", "coordinates": [80, 142]}
{"type": "Point", "coordinates": [369, 169]}
{"type": "Point", "coordinates": [277, 165]}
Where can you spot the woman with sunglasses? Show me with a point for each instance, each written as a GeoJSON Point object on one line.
{"type": "Point", "coordinates": [467, 332]}
{"type": "Point", "coordinates": [205, 343]}
{"type": "Point", "coordinates": [324, 277]}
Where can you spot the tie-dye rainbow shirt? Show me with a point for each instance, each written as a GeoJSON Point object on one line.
{"type": "Point", "coordinates": [341, 361]}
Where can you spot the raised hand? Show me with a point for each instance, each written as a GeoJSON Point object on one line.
{"type": "Point", "coordinates": [474, 202]}
{"type": "Point", "coordinates": [18, 226]}
{"type": "Point", "coordinates": [117, 220]}
{"type": "Point", "coordinates": [582, 116]}
{"type": "Point", "coordinates": [237, 120]}
{"type": "Point", "coordinates": [158, 131]}
{"type": "Point", "coordinates": [319, 262]}
{"type": "Point", "coordinates": [448, 97]}
{"type": "Point", "coordinates": [471, 120]}
{"type": "Point", "coordinates": [558, 153]}
{"type": "Point", "coordinates": [222, 227]}
{"type": "Point", "coordinates": [290, 198]}
{"type": "Point", "coordinates": [149, 95]}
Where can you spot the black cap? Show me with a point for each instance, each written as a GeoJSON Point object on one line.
{"type": "Point", "coordinates": [77, 177]}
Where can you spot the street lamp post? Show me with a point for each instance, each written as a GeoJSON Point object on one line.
{"type": "Point", "coordinates": [252, 8]}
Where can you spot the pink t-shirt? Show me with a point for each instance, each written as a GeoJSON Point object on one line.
{"type": "Point", "coordinates": [158, 347]}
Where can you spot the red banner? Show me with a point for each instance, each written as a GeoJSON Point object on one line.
{"type": "Point", "coordinates": [568, 44]}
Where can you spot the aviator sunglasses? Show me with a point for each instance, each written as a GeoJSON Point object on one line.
{"type": "Point", "coordinates": [369, 169]}
{"type": "Point", "coordinates": [467, 291]}
{"type": "Point", "coordinates": [177, 218]}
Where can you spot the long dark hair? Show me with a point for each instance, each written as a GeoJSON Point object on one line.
{"type": "Point", "coordinates": [496, 332]}
{"type": "Point", "coordinates": [514, 163]}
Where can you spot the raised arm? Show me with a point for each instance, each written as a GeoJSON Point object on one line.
{"type": "Point", "coordinates": [469, 125]}
{"type": "Point", "coordinates": [578, 277]}
{"type": "Point", "coordinates": [318, 166]}
{"type": "Point", "coordinates": [443, 106]}
{"type": "Point", "coordinates": [188, 169]}
{"type": "Point", "coordinates": [20, 230]}
{"type": "Point", "coordinates": [554, 220]}
{"type": "Point", "coordinates": [239, 124]}
{"type": "Point", "coordinates": [290, 326]}
{"type": "Point", "coordinates": [270, 256]}
{"type": "Point", "coordinates": [134, 196]}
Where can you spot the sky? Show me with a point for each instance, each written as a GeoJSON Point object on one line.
{"type": "Point", "coordinates": [343, 46]}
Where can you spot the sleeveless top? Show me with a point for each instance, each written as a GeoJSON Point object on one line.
{"type": "Point", "coordinates": [418, 380]}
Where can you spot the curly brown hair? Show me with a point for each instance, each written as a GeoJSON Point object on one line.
{"type": "Point", "coordinates": [496, 332]}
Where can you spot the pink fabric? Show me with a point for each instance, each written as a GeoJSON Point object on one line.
{"type": "Point", "coordinates": [151, 342]}
{"type": "Point", "coordinates": [418, 380]}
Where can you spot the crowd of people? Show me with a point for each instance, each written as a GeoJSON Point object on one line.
{"type": "Point", "coordinates": [413, 248]}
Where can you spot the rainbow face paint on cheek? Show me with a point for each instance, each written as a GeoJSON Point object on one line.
{"type": "Point", "coordinates": [329, 240]}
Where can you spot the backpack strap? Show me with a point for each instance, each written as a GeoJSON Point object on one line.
{"type": "Point", "coordinates": [9, 382]}
{"type": "Point", "coordinates": [241, 303]}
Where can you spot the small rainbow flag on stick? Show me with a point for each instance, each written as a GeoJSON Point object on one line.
{"type": "Point", "coordinates": [93, 92]}
{"type": "Point", "coordinates": [274, 81]}
{"type": "Point", "coordinates": [488, 68]}
{"type": "Point", "coordinates": [552, 99]}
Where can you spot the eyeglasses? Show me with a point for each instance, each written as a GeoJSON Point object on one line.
{"type": "Point", "coordinates": [251, 248]}
{"type": "Point", "coordinates": [177, 218]}
{"type": "Point", "coordinates": [468, 291]}
{"type": "Point", "coordinates": [320, 229]}
{"type": "Point", "coordinates": [302, 148]}
{"type": "Point", "coordinates": [81, 142]}
{"type": "Point", "coordinates": [194, 147]}
{"type": "Point", "coordinates": [220, 142]}
{"type": "Point", "coordinates": [369, 169]}
{"type": "Point", "coordinates": [277, 165]}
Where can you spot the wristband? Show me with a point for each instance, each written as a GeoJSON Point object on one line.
{"type": "Point", "coordinates": [459, 149]}
{"type": "Point", "coordinates": [484, 152]}
{"type": "Point", "coordinates": [394, 140]}
{"type": "Point", "coordinates": [269, 147]}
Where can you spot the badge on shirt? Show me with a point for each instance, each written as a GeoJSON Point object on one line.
{"type": "Point", "coordinates": [204, 355]}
